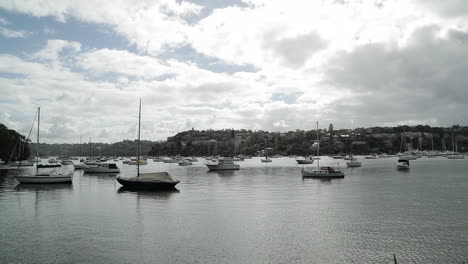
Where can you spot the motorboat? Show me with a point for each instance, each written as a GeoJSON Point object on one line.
{"type": "Point", "coordinates": [403, 164]}
{"type": "Point", "coordinates": [222, 164]}
{"type": "Point", "coordinates": [303, 160]}
{"type": "Point", "coordinates": [103, 167]}
{"type": "Point", "coordinates": [266, 159]}
{"type": "Point", "coordinates": [455, 156]}
{"type": "Point", "coordinates": [353, 163]}
{"type": "Point", "coordinates": [372, 156]}
{"type": "Point", "coordinates": [185, 162]}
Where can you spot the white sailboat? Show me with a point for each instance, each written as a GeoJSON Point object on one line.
{"type": "Point", "coordinates": [153, 180]}
{"type": "Point", "coordinates": [326, 172]}
{"type": "Point", "coordinates": [49, 177]}
{"type": "Point", "coordinates": [266, 159]}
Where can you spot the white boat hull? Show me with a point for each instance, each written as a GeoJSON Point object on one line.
{"type": "Point", "coordinates": [44, 179]}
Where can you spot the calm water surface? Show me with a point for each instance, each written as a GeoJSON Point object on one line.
{"type": "Point", "coordinates": [263, 213]}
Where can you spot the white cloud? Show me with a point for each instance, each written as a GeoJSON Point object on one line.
{"type": "Point", "coordinates": [54, 47]}
{"type": "Point", "coordinates": [150, 25]}
{"type": "Point", "coordinates": [354, 63]}
{"type": "Point", "coordinates": [8, 33]}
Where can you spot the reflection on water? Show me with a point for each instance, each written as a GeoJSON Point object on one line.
{"type": "Point", "coordinates": [142, 193]}
{"type": "Point", "coordinates": [43, 186]}
{"type": "Point", "coordinates": [223, 173]}
{"type": "Point", "coordinates": [258, 214]}
{"type": "Point", "coordinates": [100, 174]}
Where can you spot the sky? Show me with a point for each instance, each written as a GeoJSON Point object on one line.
{"type": "Point", "coordinates": [254, 64]}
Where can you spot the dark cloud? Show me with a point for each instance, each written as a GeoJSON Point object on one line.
{"type": "Point", "coordinates": [296, 51]}
{"type": "Point", "coordinates": [424, 80]}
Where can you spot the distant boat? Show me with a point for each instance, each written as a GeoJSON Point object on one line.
{"type": "Point", "coordinates": [80, 166]}
{"type": "Point", "coordinates": [103, 168]}
{"type": "Point", "coordinates": [353, 163]}
{"type": "Point", "coordinates": [48, 165]}
{"type": "Point", "coordinates": [403, 164]}
{"type": "Point", "coordinates": [49, 177]}
{"type": "Point", "coordinates": [139, 162]}
{"type": "Point", "coordinates": [372, 156]}
{"type": "Point", "coordinates": [172, 160]}
{"type": "Point", "coordinates": [302, 160]}
{"type": "Point", "coordinates": [266, 160]}
{"type": "Point", "coordinates": [185, 162]}
{"type": "Point", "coordinates": [66, 162]}
{"type": "Point", "coordinates": [223, 164]}
{"type": "Point", "coordinates": [153, 180]}
{"type": "Point", "coordinates": [321, 172]}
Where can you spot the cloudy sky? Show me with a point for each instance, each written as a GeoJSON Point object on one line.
{"type": "Point", "coordinates": [254, 64]}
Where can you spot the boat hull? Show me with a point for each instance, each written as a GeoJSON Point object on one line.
{"type": "Point", "coordinates": [101, 170]}
{"type": "Point", "coordinates": [44, 179]}
{"type": "Point", "coordinates": [212, 167]}
{"type": "Point", "coordinates": [324, 174]}
{"type": "Point", "coordinates": [305, 161]}
{"type": "Point", "coordinates": [402, 167]}
{"type": "Point", "coordinates": [149, 185]}
{"type": "Point", "coordinates": [353, 164]}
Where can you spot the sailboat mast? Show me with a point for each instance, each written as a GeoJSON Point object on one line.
{"type": "Point", "coordinates": [38, 123]}
{"type": "Point", "coordinates": [318, 148]}
{"type": "Point", "coordinates": [138, 151]}
{"type": "Point", "coordinates": [80, 146]}
{"type": "Point", "coordinates": [453, 146]}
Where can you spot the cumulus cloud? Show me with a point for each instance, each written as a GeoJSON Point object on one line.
{"type": "Point", "coordinates": [351, 63]}
{"type": "Point", "coordinates": [54, 47]}
{"type": "Point", "coordinates": [150, 25]}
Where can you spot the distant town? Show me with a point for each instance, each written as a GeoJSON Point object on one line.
{"type": "Point", "coordinates": [229, 142]}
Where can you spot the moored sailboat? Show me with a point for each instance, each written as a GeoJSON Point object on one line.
{"type": "Point", "coordinates": [49, 177]}
{"type": "Point", "coordinates": [153, 180]}
{"type": "Point", "coordinates": [326, 172]}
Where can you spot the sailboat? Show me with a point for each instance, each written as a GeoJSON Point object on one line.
{"type": "Point", "coordinates": [455, 154]}
{"type": "Point", "coordinates": [432, 153]}
{"type": "Point", "coordinates": [326, 172]}
{"type": "Point", "coordinates": [153, 180]}
{"type": "Point", "coordinates": [48, 177]}
{"type": "Point", "coordinates": [266, 159]}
